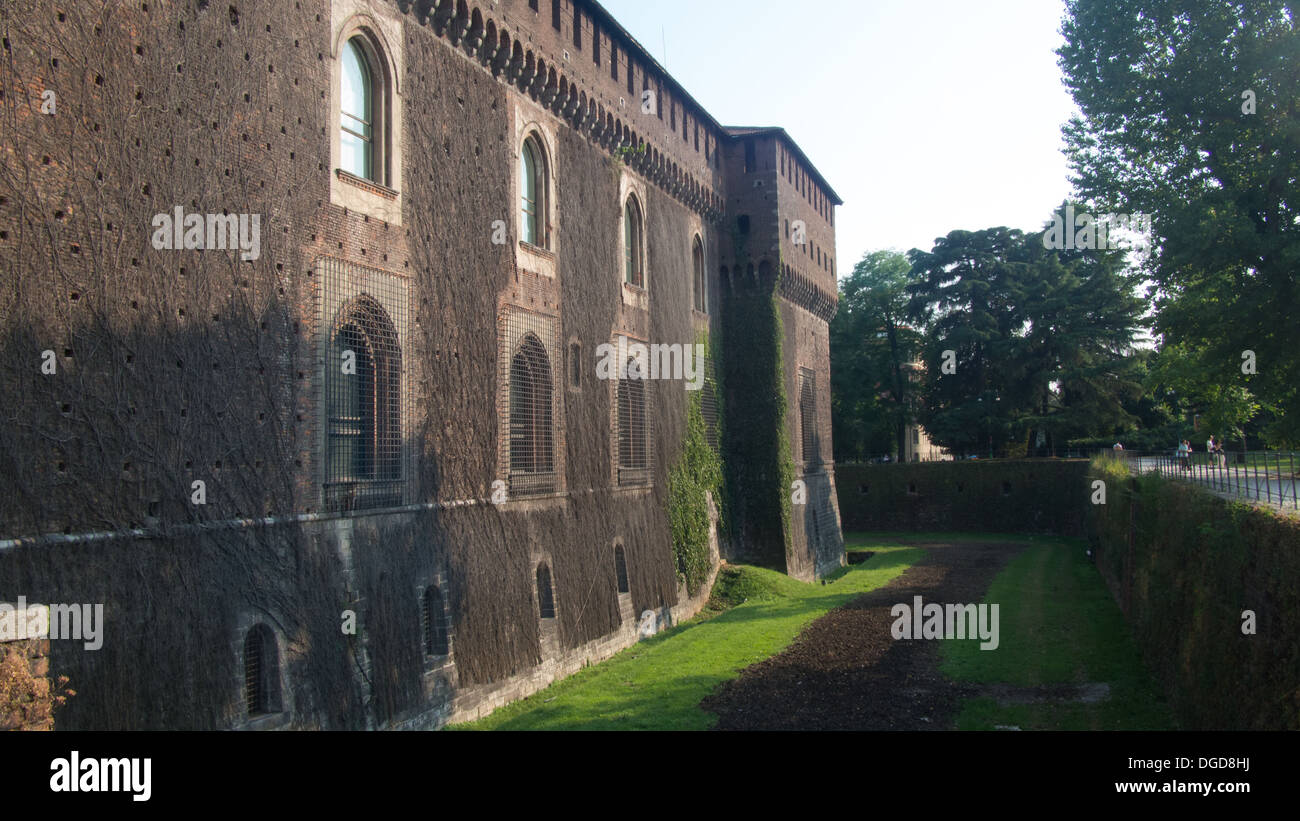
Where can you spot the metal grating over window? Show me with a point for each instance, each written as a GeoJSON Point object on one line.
{"type": "Point", "coordinates": [709, 405]}
{"type": "Point", "coordinates": [261, 671]}
{"type": "Point", "coordinates": [810, 444]}
{"type": "Point", "coordinates": [434, 622]}
{"type": "Point", "coordinates": [528, 345]}
{"type": "Point", "coordinates": [620, 568]}
{"type": "Point", "coordinates": [362, 316]}
{"type": "Point", "coordinates": [545, 594]}
{"type": "Point", "coordinates": [633, 425]}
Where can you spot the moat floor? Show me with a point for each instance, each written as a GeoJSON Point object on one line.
{"type": "Point", "coordinates": [846, 672]}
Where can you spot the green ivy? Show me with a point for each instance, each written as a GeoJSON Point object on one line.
{"type": "Point", "coordinates": [697, 473]}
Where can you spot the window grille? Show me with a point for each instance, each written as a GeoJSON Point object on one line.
{"type": "Point", "coordinates": [363, 316]}
{"type": "Point", "coordinates": [528, 380]}
{"type": "Point", "coordinates": [545, 595]}
{"type": "Point", "coordinates": [434, 622]}
{"type": "Point", "coordinates": [808, 418]}
{"type": "Point", "coordinates": [709, 405]}
{"type": "Point", "coordinates": [261, 671]}
{"type": "Point", "coordinates": [633, 425]}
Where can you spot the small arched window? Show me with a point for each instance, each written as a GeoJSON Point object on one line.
{"type": "Point", "coordinates": [434, 622]}
{"type": "Point", "coordinates": [633, 244]}
{"type": "Point", "coordinates": [534, 185]}
{"type": "Point", "coordinates": [620, 568]}
{"type": "Point", "coordinates": [261, 671]}
{"type": "Point", "coordinates": [531, 451]}
{"type": "Point", "coordinates": [359, 105]}
{"type": "Point", "coordinates": [701, 284]}
{"type": "Point", "coordinates": [545, 595]}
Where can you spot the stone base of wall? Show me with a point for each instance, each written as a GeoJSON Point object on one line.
{"type": "Point", "coordinates": [478, 701]}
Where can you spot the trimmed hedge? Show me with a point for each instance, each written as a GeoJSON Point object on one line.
{"type": "Point", "coordinates": [1000, 496]}
{"type": "Point", "coordinates": [1184, 564]}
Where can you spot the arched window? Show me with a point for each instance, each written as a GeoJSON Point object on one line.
{"type": "Point", "coordinates": [531, 450]}
{"type": "Point", "coordinates": [633, 434]}
{"type": "Point", "coordinates": [359, 105]}
{"type": "Point", "coordinates": [808, 420]}
{"type": "Point", "coordinates": [633, 244]}
{"type": "Point", "coordinates": [434, 622]}
{"type": "Point", "coordinates": [363, 401]}
{"type": "Point", "coordinates": [545, 595]}
{"type": "Point", "coordinates": [534, 187]}
{"type": "Point", "coordinates": [697, 263]}
{"type": "Point", "coordinates": [261, 671]}
{"type": "Point", "coordinates": [620, 568]}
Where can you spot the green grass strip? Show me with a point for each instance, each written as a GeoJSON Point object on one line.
{"type": "Point", "coordinates": [1057, 625]}
{"type": "Point", "coordinates": [658, 683]}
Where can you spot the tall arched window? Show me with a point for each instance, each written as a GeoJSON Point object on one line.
{"type": "Point", "coordinates": [359, 106]}
{"type": "Point", "coordinates": [633, 432]}
{"type": "Point", "coordinates": [697, 263]}
{"type": "Point", "coordinates": [633, 244]}
{"type": "Point", "coordinates": [534, 187]}
{"type": "Point", "coordinates": [531, 446]}
{"type": "Point", "coordinates": [363, 401]}
{"type": "Point", "coordinates": [434, 622]}
{"type": "Point", "coordinates": [261, 671]}
{"type": "Point", "coordinates": [808, 419]}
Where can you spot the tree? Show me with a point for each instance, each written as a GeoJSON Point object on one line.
{"type": "Point", "coordinates": [877, 347]}
{"type": "Point", "coordinates": [1025, 342]}
{"type": "Point", "coordinates": [1189, 115]}
{"type": "Point", "coordinates": [965, 292]}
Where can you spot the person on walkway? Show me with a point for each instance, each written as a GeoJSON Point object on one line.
{"type": "Point", "coordinates": [1219, 454]}
{"type": "Point", "coordinates": [1209, 452]}
{"type": "Point", "coordinates": [1184, 454]}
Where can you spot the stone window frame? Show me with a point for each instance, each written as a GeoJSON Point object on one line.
{"type": "Point", "coordinates": [434, 661]}
{"type": "Point", "coordinates": [545, 200]}
{"type": "Point", "coordinates": [637, 296]}
{"type": "Point", "coordinates": [245, 623]}
{"type": "Point", "coordinates": [700, 278]}
{"type": "Point", "coordinates": [513, 325]}
{"type": "Point", "coordinates": [533, 121]}
{"type": "Point", "coordinates": [340, 283]}
{"type": "Point", "coordinates": [381, 34]}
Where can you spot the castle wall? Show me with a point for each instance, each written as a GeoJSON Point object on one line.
{"type": "Point", "coordinates": [172, 465]}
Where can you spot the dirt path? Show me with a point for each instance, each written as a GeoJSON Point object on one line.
{"type": "Point", "coordinates": [846, 671]}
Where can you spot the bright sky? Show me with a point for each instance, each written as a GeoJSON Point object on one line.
{"type": "Point", "coordinates": [925, 115]}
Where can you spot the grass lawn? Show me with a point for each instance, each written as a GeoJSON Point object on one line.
{"type": "Point", "coordinates": [658, 683]}
{"type": "Point", "coordinates": [1058, 625]}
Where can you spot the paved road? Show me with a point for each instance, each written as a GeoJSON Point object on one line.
{"type": "Point", "coordinates": [1236, 480]}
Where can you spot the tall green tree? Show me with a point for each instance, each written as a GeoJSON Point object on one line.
{"type": "Point", "coordinates": [1189, 113]}
{"type": "Point", "coordinates": [966, 293]}
{"type": "Point", "coordinates": [878, 343]}
{"type": "Point", "coordinates": [1027, 346]}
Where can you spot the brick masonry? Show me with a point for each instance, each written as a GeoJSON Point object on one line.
{"type": "Point", "coordinates": [184, 366]}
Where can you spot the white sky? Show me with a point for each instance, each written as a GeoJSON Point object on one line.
{"type": "Point", "coordinates": [925, 115]}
